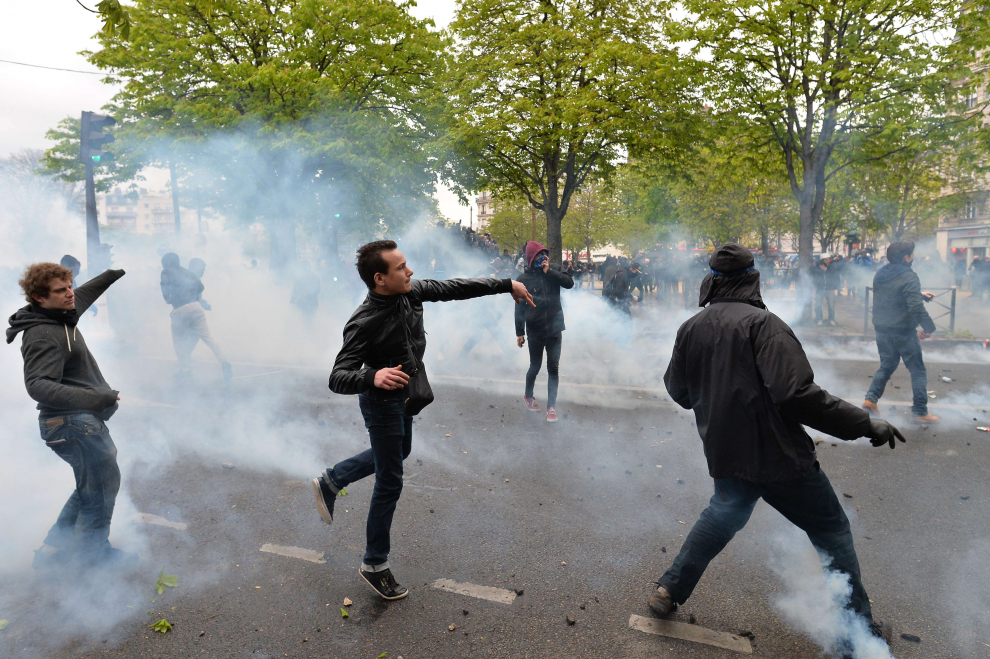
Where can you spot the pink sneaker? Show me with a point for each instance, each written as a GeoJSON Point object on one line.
{"type": "Point", "coordinates": [531, 404]}
{"type": "Point", "coordinates": [551, 415]}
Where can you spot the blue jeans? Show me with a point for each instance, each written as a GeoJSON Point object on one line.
{"type": "Point", "coordinates": [538, 343]}
{"type": "Point", "coordinates": [822, 295]}
{"type": "Point", "coordinates": [894, 346]}
{"type": "Point", "coordinates": [808, 502]}
{"type": "Point", "coordinates": [391, 443]}
{"type": "Point", "coordinates": [82, 440]}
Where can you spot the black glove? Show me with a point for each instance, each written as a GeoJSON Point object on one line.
{"type": "Point", "coordinates": [881, 432]}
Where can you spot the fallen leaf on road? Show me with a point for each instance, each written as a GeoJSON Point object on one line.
{"type": "Point", "coordinates": [3, 624]}
{"type": "Point", "coordinates": [347, 601]}
{"type": "Point", "coordinates": [344, 614]}
{"type": "Point", "coordinates": [165, 581]}
{"type": "Point", "coordinates": [162, 626]}
{"type": "Point", "coordinates": [450, 435]}
{"type": "Point", "coordinates": [383, 655]}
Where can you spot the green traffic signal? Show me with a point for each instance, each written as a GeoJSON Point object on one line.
{"type": "Point", "coordinates": [96, 159]}
{"type": "Point", "coordinates": [336, 214]}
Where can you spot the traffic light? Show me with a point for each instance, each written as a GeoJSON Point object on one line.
{"type": "Point", "coordinates": [92, 138]}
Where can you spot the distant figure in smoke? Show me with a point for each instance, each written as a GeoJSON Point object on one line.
{"type": "Point", "coordinates": [898, 309]}
{"type": "Point", "coordinates": [306, 289]}
{"type": "Point", "coordinates": [384, 343]}
{"type": "Point", "coordinates": [542, 324]}
{"type": "Point", "coordinates": [745, 375]}
{"type": "Point", "coordinates": [182, 289]}
{"type": "Point", "coordinates": [74, 402]}
{"type": "Point", "coordinates": [71, 263]}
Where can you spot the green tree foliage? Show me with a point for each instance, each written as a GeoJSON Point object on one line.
{"type": "Point", "coordinates": [544, 95]}
{"type": "Point", "coordinates": [62, 162]}
{"type": "Point", "coordinates": [294, 110]}
{"type": "Point", "coordinates": [815, 76]}
{"type": "Point", "coordinates": [516, 222]}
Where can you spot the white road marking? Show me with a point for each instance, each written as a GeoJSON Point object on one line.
{"type": "Point", "coordinates": [489, 593]}
{"type": "Point", "coordinates": [686, 632]}
{"type": "Point", "coordinates": [294, 552]}
{"type": "Point", "coordinates": [148, 518]}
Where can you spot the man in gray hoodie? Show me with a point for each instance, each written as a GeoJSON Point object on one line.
{"type": "Point", "coordinates": [74, 402]}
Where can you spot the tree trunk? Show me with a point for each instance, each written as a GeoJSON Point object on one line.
{"type": "Point", "coordinates": [554, 238]}
{"type": "Point", "coordinates": [764, 241]}
{"type": "Point", "coordinates": [175, 197]}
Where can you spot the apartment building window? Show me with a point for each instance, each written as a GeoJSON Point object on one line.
{"type": "Point", "coordinates": [969, 213]}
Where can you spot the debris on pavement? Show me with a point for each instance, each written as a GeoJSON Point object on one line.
{"type": "Point", "coordinates": [162, 626]}
{"type": "Point", "coordinates": [846, 495]}
{"type": "Point", "coordinates": [3, 624]}
{"type": "Point", "coordinates": [519, 592]}
{"type": "Point", "coordinates": [227, 465]}
{"type": "Point", "coordinates": [571, 620]}
{"type": "Point", "coordinates": [452, 627]}
{"type": "Point", "coordinates": [344, 614]}
{"type": "Point", "coordinates": [663, 550]}
{"type": "Point", "coordinates": [165, 581]}
{"type": "Point", "coordinates": [911, 637]}
{"type": "Point", "coordinates": [983, 428]}
{"type": "Point", "coordinates": [347, 601]}
{"type": "Point", "coordinates": [747, 634]}
{"type": "Point", "coordinates": [465, 611]}
{"type": "Point", "coordinates": [964, 498]}
{"type": "Point", "coordinates": [945, 379]}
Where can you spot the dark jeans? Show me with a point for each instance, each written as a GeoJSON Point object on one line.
{"type": "Point", "coordinates": [538, 343]}
{"type": "Point", "coordinates": [391, 442]}
{"type": "Point", "coordinates": [82, 440]}
{"type": "Point", "coordinates": [825, 296]}
{"type": "Point", "coordinates": [808, 502]}
{"type": "Point", "coordinates": [894, 346]}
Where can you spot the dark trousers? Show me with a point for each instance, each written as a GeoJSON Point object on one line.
{"type": "Point", "coordinates": [391, 442]}
{"type": "Point", "coordinates": [808, 502]}
{"type": "Point", "coordinates": [538, 343]}
{"type": "Point", "coordinates": [823, 295]}
{"type": "Point", "coordinates": [894, 346]}
{"type": "Point", "coordinates": [83, 441]}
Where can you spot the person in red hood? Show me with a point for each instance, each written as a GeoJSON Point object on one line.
{"type": "Point", "coordinates": [542, 323]}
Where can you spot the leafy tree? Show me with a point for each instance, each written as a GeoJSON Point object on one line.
{"type": "Point", "coordinates": [596, 218]}
{"type": "Point", "coordinates": [816, 75]}
{"type": "Point", "coordinates": [62, 162]}
{"type": "Point", "coordinates": [547, 94]}
{"type": "Point", "coordinates": [515, 223]}
{"type": "Point", "coordinates": [298, 111]}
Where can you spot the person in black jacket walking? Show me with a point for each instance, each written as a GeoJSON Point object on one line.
{"type": "Point", "coordinates": [384, 344]}
{"type": "Point", "coordinates": [74, 403]}
{"type": "Point", "coordinates": [745, 375]}
{"type": "Point", "coordinates": [898, 309]}
{"type": "Point", "coordinates": [542, 324]}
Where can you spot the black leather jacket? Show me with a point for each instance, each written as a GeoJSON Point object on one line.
{"type": "Point", "coordinates": [547, 317]}
{"type": "Point", "coordinates": [375, 335]}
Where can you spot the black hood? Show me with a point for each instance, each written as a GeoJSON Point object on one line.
{"type": "Point", "coordinates": [892, 271]}
{"type": "Point", "coordinates": [27, 317]}
{"type": "Point", "coordinates": [732, 277]}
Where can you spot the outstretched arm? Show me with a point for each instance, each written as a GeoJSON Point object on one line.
{"type": "Point", "coordinates": [788, 376]}
{"type": "Point", "coordinates": [89, 292]}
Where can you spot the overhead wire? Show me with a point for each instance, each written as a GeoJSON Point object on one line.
{"type": "Point", "coordinates": [54, 68]}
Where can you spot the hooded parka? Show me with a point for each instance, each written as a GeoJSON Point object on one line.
{"type": "Point", "coordinates": [745, 375]}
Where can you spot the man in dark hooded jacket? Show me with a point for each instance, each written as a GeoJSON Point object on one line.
{"type": "Point", "coordinates": [745, 375]}
{"type": "Point", "coordinates": [543, 324]}
{"type": "Point", "coordinates": [898, 309]}
{"type": "Point", "coordinates": [74, 403]}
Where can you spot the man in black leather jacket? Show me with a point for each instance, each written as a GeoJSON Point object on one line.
{"type": "Point", "coordinates": [381, 341]}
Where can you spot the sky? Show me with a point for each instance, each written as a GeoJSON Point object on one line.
{"type": "Point", "coordinates": [52, 33]}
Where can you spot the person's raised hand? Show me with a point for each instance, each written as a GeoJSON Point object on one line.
{"type": "Point", "coordinates": [391, 378]}
{"type": "Point", "coordinates": [923, 335]}
{"type": "Point", "coordinates": [520, 294]}
{"type": "Point", "coordinates": [520, 341]}
{"type": "Point", "coordinates": [881, 432]}
{"type": "Point", "coordinates": [928, 296]}
{"type": "Point", "coordinates": [546, 265]}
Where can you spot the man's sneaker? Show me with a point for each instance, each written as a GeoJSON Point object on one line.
{"type": "Point", "coordinates": [531, 404]}
{"type": "Point", "coordinates": [551, 415]}
{"type": "Point", "coordinates": [871, 407]}
{"type": "Point", "coordinates": [383, 583]}
{"type": "Point", "coordinates": [882, 630]}
{"type": "Point", "coordinates": [662, 602]}
{"type": "Point", "coordinates": [325, 498]}
{"type": "Point", "coordinates": [928, 418]}
{"type": "Point", "coordinates": [46, 557]}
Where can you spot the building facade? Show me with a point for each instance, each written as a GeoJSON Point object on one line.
{"type": "Point", "coordinates": [484, 209]}
{"type": "Point", "coordinates": [145, 213]}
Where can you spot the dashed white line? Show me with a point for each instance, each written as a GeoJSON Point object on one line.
{"type": "Point", "coordinates": [148, 518]}
{"type": "Point", "coordinates": [686, 632]}
{"type": "Point", "coordinates": [489, 593]}
{"type": "Point", "coordinates": [294, 552]}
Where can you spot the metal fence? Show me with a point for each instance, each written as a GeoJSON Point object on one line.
{"type": "Point", "coordinates": [944, 303]}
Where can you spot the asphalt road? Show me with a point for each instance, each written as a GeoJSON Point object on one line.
{"type": "Point", "coordinates": [572, 519]}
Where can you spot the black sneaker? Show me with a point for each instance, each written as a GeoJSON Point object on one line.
{"type": "Point", "coordinates": [882, 630]}
{"type": "Point", "coordinates": [661, 601]}
{"type": "Point", "coordinates": [384, 584]}
{"type": "Point", "coordinates": [325, 498]}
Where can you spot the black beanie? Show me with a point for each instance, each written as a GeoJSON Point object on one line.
{"type": "Point", "coordinates": [731, 259]}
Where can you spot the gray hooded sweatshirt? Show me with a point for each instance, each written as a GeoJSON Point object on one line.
{"type": "Point", "coordinates": [59, 370]}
